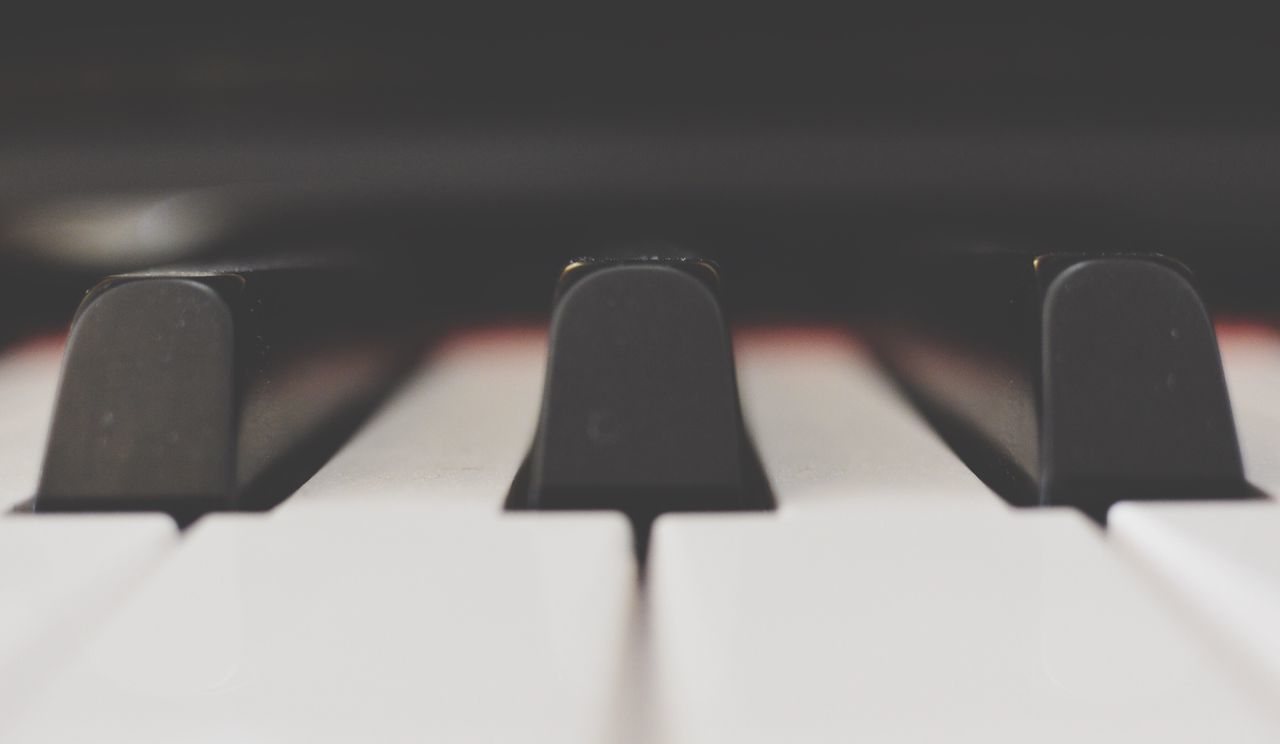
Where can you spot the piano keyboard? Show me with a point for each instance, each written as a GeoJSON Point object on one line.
{"type": "Point", "coordinates": [889, 594]}
{"type": "Point", "coordinates": [624, 378]}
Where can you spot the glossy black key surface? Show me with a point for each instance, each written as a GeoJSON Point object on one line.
{"type": "Point", "coordinates": [1068, 380]}
{"type": "Point", "coordinates": [201, 390]}
{"type": "Point", "coordinates": [640, 410]}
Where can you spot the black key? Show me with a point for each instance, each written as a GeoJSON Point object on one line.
{"type": "Point", "coordinates": [640, 410]}
{"type": "Point", "coordinates": [1068, 380]}
{"type": "Point", "coordinates": [191, 391]}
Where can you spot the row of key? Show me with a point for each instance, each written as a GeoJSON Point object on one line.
{"type": "Point", "coordinates": [868, 583]}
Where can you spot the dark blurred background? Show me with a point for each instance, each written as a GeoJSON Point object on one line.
{"type": "Point", "coordinates": [484, 149]}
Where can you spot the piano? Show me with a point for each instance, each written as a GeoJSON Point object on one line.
{"type": "Point", "coordinates": [648, 382]}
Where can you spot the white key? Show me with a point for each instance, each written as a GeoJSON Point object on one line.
{"type": "Point", "coordinates": [1251, 361]}
{"type": "Point", "coordinates": [363, 622]}
{"type": "Point", "coordinates": [28, 385]}
{"type": "Point", "coordinates": [921, 623]}
{"type": "Point", "coordinates": [1223, 560]}
{"type": "Point", "coordinates": [457, 432]}
{"type": "Point", "coordinates": [60, 579]}
{"type": "Point", "coordinates": [829, 426]}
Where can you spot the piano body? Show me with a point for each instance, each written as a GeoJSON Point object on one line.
{"type": "Point", "coordinates": [910, 381]}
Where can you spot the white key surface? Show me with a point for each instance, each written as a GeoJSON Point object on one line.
{"type": "Point", "coordinates": [61, 577]}
{"type": "Point", "coordinates": [1251, 361]}
{"type": "Point", "coordinates": [1223, 560]}
{"type": "Point", "coordinates": [28, 386]}
{"type": "Point", "coordinates": [458, 431]}
{"type": "Point", "coordinates": [363, 622]}
{"type": "Point", "coordinates": [920, 623]}
{"type": "Point", "coordinates": [829, 426]}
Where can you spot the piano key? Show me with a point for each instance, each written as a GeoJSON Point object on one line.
{"type": "Point", "coordinates": [1222, 561]}
{"type": "Point", "coordinates": [28, 386]}
{"type": "Point", "coordinates": [640, 408]}
{"type": "Point", "coordinates": [61, 577]}
{"type": "Point", "coordinates": [916, 622]}
{"type": "Point", "coordinates": [830, 426]}
{"type": "Point", "coordinates": [188, 391]}
{"type": "Point", "coordinates": [455, 433]}
{"type": "Point", "coordinates": [1069, 380]}
{"type": "Point", "coordinates": [339, 622]}
{"type": "Point", "coordinates": [1251, 361]}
